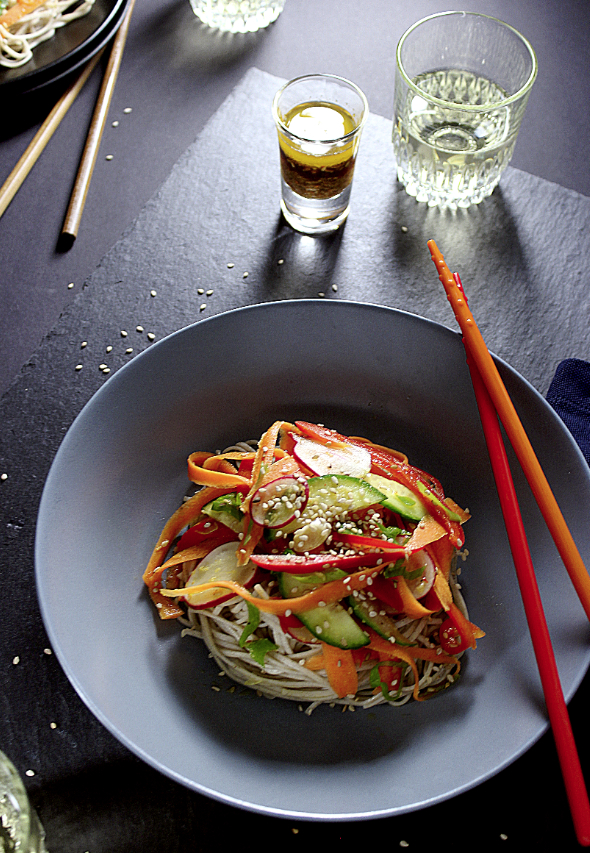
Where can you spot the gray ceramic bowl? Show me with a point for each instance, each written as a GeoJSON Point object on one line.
{"type": "Point", "coordinates": [393, 377]}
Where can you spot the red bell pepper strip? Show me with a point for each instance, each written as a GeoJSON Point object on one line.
{"type": "Point", "coordinates": [299, 564]}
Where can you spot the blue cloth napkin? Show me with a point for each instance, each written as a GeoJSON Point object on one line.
{"type": "Point", "coordinates": [569, 394]}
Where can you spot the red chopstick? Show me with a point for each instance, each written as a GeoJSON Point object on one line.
{"type": "Point", "coordinates": [554, 699]}
{"type": "Point", "coordinates": [515, 431]}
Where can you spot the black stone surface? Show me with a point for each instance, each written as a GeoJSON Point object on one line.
{"type": "Point", "coordinates": [522, 257]}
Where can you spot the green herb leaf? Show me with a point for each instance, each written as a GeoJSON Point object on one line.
{"type": "Point", "coordinates": [375, 680]}
{"type": "Point", "coordinates": [229, 503]}
{"type": "Point", "coordinates": [258, 649]}
{"type": "Point", "coordinates": [397, 569]}
{"type": "Point", "coordinates": [251, 625]}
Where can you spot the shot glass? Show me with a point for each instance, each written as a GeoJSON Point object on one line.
{"type": "Point", "coordinates": [319, 120]}
{"type": "Point", "coordinates": [237, 16]}
{"type": "Point", "coordinates": [461, 88]}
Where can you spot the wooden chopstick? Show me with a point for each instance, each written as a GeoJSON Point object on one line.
{"type": "Point", "coordinates": [515, 431]}
{"type": "Point", "coordinates": [42, 137]}
{"type": "Point", "coordinates": [86, 168]}
{"type": "Point", "coordinates": [556, 707]}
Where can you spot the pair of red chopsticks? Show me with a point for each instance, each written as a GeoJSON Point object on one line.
{"type": "Point", "coordinates": [493, 401]}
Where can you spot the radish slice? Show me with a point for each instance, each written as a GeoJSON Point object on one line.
{"type": "Point", "coordinates": [322, 459]}
{"type": "Point", "coordinates": [423, 583]}
{"type": "Point", "coordinates": [219, 564]}
{"type": "Point", "coordinates": [280, 501]}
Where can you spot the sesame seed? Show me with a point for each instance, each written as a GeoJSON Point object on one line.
{"type": "Point", "coordinates": [404, 229]}
{"type": "Point", "coordinates": [216, 688]}
{"type": "Point", "coordinates": [151, 336]}
{"type": "Point", "coordinates": [200, 291]}
{"type": "Point", "coordinates": [109, 348]}
{"type": "Point", "coordinates": [29, 772]}
{"type": "Point", "coordinates": [52, 725]}
{"type": "Point", "coordinates": [404, 844]}
{"type": "Point", "coordinates": [16, 660]}
{"type": "Point", "coordinates": [202, 307]}
{"type": "Point", "coordinates": [106, 370]}
{"type": "Point", "coordinates": [503, 836]}
{"type": "Point", "coordinates": [109, 157]}
{"type": "Point", "coordinates": [335, 288]}
{"type": "Point", "coordinates": [321, 294]}
{"type": "Point", "coordinates": [70, 285]}
{"type": "Point", "coordinates": [78, 367]}
{"type": "Point", "coordinates": [47, 652]}
{"type": "Point", "coordinates": [123, 333]}
{"type": "Point", "coordinates": [230, 266]}
{"type": "Point", "coordinates": [245, 275]}
{"type": "Point", "coordinates": [115, 124]}
{"type": "Point", "coordinates": [102, 366]}
{"type": "Point", "coordinates": [209, 293]}
{"type": "Point", "coordinates": [127, 110]}
{"type": "Point", "coordinates": [280, 261]}
{"type": "Point", "coordinates": [83, 344]}
{"type": "Point", "coordinates": [129, 350]}
{"type": "Point", "coordinates": [139, 328]}
{"type": "Point", "coordinates": [153, 292]}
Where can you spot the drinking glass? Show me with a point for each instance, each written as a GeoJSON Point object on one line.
{"type": "Point", "coordinates": [319, 120]}
{"type": "Point", "coordinates": [237, 16]}
{"type": "Point", "coordinates": [19, 825]}
{"type": "Point", "coordinates": [461, 88]}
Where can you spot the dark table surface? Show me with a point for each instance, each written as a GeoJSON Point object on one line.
{"type": "Point", "coordinates": [92, 794]}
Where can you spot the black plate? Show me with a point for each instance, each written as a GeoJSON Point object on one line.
{"type": "Point", "coordinates": [70, 47]}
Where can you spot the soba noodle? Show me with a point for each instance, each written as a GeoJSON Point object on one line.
{"type": "Point", "coordinates": [18, 42]}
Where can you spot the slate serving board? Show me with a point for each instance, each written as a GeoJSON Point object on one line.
{"type": "Point", "coordinates": [210, 240]}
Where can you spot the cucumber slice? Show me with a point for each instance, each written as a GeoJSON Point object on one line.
{"type": "Point", "coordinates": [398, 498]}
{"type": "Point", "coordinates": [343, 493]}
{"type": "Point", "coordinates": [331, 623]}
{"type": "Point", "coordinates": [368, 612]}
{"type": "Point", "coordinates": [401, 500]}
{"type": "Point", "coordinates": [331, 497]}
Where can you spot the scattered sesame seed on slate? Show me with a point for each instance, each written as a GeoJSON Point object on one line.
{"type": "Point", "coordinates": [102, 366]}
{"type": "Point", "coordinates": [47, 652]}
{"type": "Point", "coordinates": [335, 288]}
{"type": "Point", "coordinates": [281, 261]}
{"type": "Point", "coordinates": [139, 328]}
{"type": "Point", "coordinates": [245, 275]}
{"type": "Point", "coordinates": [503, 836]}
{"type": "Point", "coordinates": [78, 367]}
{"type": "Point", "coordinates": [151, 336]}
{"type": "Point", "coordinates": [115, 124]}
{"type": "Point", "coordinates": [404, 844]}
{"type": "Point", "coordinates": [230, 266]}
{"type": "Point", "coordinates": [29, 772]}
{"type": "Point", "coordinates": [106, 370]}
{"type": "Point", "coordinates": [321, 293]}
{"type": "Point", "coordinates": [3, 477]}
{"type": "Point", "coordinates": [202, 307]}
{"type": "Point", "coordinates": [127, 110]}
{"type": "Point", "coordinates": [123, 333]}
{"type": "Point", "coordinates": [109, 348]}
{"type": "Point", "coordinates": [70, 285]}
{"type": "Point", "coordinates": [209, 293]}
{"type": "Point", "coordinates": [153, 292]}
{"type": "Point", "coordinates": [16, 660]}
{"type": "Point", "coordinates": [200, 291]}
{"type": "Point", "coordinates": [52, 725]}
{"type": "Point", "coordinates": [404, 229]}
{"type": "Point", "coordinates": [109, 157]}
{"type": "Point", "coordinates": [83, 344]}
{"type": "Point", "coordinates": [129, 350]}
